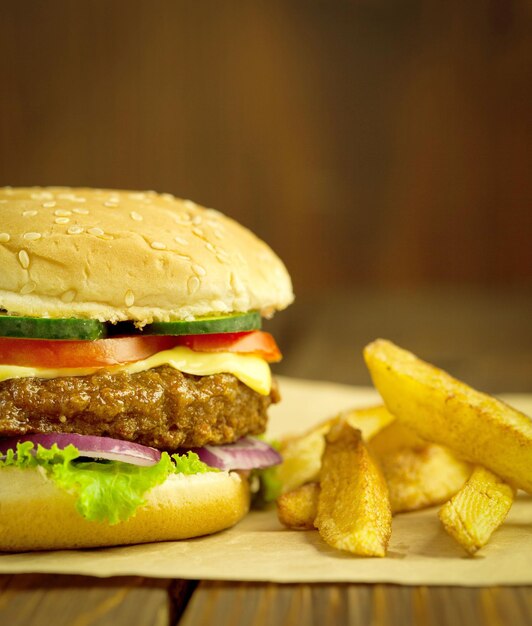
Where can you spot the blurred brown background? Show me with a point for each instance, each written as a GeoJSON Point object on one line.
{"type": "Point", "coordinates": [382, 147]}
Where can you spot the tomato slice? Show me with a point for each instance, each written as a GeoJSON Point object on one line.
{"type": "Point", "coordinates": [117, 350]}
{"type": "Point", "coordinates": [255, 342]}
{"type": "Point", "coordinates": [98, 353]}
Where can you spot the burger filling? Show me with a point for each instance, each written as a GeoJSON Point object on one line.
{"type": "Point", "coordinates": [109, 419]}
{"type": "Point", "coordinates": [160, 407]}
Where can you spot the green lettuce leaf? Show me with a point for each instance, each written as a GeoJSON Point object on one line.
{"type": "Point", "coordinates": [190, 463]}
{"type": "Point", "coordinates": [268, 487]}
{"type": "Point", "coordinates": [267, 484]}
{"type": "Point", "coordinates": [105, 490]}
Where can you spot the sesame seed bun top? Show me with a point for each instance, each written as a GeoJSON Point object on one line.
{"type": "Point", "coordinates": [123, 255]}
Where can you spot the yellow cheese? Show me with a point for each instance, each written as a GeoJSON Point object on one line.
{"type": "Point", "coordinates": [248, 368]}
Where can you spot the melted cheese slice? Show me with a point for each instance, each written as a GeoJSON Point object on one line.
{"type": "Point", "coordinates": [248, 368]}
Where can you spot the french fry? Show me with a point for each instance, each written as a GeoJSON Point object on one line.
{"type": "Point", "coordinates": [298, 508]}
{"type": "Point", "coordinates": [475, 426]}
{"type": "Point", "coordinates": [419, 474]}
{"type": "Point", "coordinates": [368, 420]}
{"type": "Point", "coordinates": [477, 510]}
{"type": "Point", "coordinates": [302, 455]}
{"type": "Point", "coordinates": [301, 458]}
{"type": "Point", "coordinates": [423, 476]}
{"type": "Point", "coordinates": [394, 437]}
{"type": "Point", "coordinates": [353, 506]}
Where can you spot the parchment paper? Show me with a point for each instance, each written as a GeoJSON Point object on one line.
{"type": "Point", "coordinates": [260, 549]}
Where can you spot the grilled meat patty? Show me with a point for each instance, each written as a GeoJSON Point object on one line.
{"type": "Point", "coordinates": [161, 407]}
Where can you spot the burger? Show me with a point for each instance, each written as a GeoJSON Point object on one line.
{"type": "Point", "coordinates": [134, 375]}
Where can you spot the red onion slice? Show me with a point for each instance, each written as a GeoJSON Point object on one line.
{"type": "Point", "coordinates": [247, 453]}
{"type": "Point", "coordinates": [89, 446]}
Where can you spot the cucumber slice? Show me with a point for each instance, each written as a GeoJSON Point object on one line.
{"type": "Point", "coordinates": [86, 329]}
{"type": "Point", "coordinates": [50, 328]}
{"type": "Point", "coordinates": [234, 323]}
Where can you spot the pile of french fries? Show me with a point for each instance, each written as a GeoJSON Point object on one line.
{"type": "Point", "coordinates": [435, 441]}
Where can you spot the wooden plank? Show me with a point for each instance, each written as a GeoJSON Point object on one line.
{"type": "Point", "coordinates": [368, 142]}
{"type": "Point", "coordinates": [260, 604]}
{"type": "Point", "coordinates": [37, 599]}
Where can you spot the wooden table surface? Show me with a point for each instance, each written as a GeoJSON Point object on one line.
{"type": "Point", "coordinates": [482, 337]}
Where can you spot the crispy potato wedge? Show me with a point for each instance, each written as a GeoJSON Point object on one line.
{"type": "Point", "coordinates": [301, 458]}
{"type": "Point", "coordinates": [475, 426]}
{"type": "Point", "coordinates": [419, 474]}
{"type": "Point", "coordinates": [393, 437]}
{"type": "Point", "coordinates": [298, 508]}
{"type": "Point", "coordinates": [368, 420]}
{"type": "Point", "coordinates": [423, 476]}
{"type": "Point", "coordinates": [302, 454]}
{"type": "Point", "coordinates": [477, 510]}
{"type": "Point", "coordinates": [353, 507]}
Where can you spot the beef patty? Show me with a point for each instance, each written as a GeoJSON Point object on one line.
{"type": "Point", "coordinates": [161, 407]}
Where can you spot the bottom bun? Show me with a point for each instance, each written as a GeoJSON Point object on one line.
{"type": "Point", "coordinates": [36, 515]}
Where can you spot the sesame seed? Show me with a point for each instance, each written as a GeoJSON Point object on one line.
{"type": "Point", "coordinates": [136, 196]}
{"type": "Point", "coordinates": [75, 230]}
{"type": "Point", "coordinates": [62, 213]}
{"type": "Point", "coordinates": [4, 237]}
{"type": "Point", "coordinates": [111, 203]}
{"type": "Point", "coordinates": [199, 269]}
{"type": "Point", "coordinates": [80, 211]}
{"type": "Point", "coordinates": [188, 204]}
{"type": "Point", "coordinates": [28, 287]}
{"type": "Point", "coordinates": [67, 196]}
{"type": "Point", "coordinates": [181, 241]}
{"type": "Point", "coordinates": [130, 298]}
{"type": "Point", "coordinates": [62, 220]}
{"type": "Point", "coordinates": [32, 236]}
{"type": "Point", "coordinates": [196, 220]}
{"type": "Point", "coordinates": [193, 284]}
{"type": "Point", "coordinates": [222, 256]}
{"type": "Point", "coordinates": [95, 231]}
{"type": "Point", "coordinates": [68, 296]}
{"type": "Point", "coordinates": [198, 232]}
{"type": "Point", "coordinates": [158, 245]}
{"type": "Point", "coordinates": [29, 213]}
{"type": "Point", "coordinates": [43, 195]}
{"type": "Point", "coordinates": [49, 205]}
{"type": "Point", "coordinates": [24, 259]}
{"type": "Point", "coordinates": [217, 234]}
{"type": "Point", "coordinates": [167, 196]}
{"type": "Point", "coordinates": [210, 247]}
{"type": "Point", "coordinates": [136, 216]}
